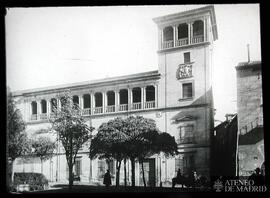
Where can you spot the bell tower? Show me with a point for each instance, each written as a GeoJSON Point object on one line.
{"type": "Point", "coordinates": [185, 42]}
{"type": "Point", "coordinates": [185, 45]}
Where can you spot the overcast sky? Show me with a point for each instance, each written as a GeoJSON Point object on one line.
{"type": "Point", "coordinates": [58, 45]}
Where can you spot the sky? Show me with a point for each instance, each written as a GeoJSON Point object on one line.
{"type": "Point", "coordinates": [58, 45]}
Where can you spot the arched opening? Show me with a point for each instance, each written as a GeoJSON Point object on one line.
{"type": "Point", "coordinates": [86, 101]}
{"type": "Point", "coordinates": [150, 97]}
{"type": "Point", "coordinates": [123, 96]}
{"type": "Point", "coordinates": [136, 98]}
{"type": "Point", "coordinates": [34, 110]}
{"type": "Point", "coordinates": [198, 31]}
{"type": "Point", "coordinates": [34, 107]}
{"type": "Point", "coordinates": [53, 105]}
{"type": "Point", "coordinates": [43, 114]}
{"type": "Point", "coordinates": [182, 34]}
{"type": "Point", "coordinates": [75, 100]}
{"type": "Point", "coordinates": [110, 101]}
{"type": "Point", "coordinates": [168, 37]}
{"type": "Point", "coordinates": [43, 106]}
{"type": "Point", "coordinates": [98, 103]}
{"type": "Point", "coordinates": [86, 104]}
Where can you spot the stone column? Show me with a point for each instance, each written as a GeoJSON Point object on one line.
{"type": "Point", "coordinates": [38, 109]}
{"type": "Point", "coordinates": [81, 101]}
{"type": "Point", "coordinates": [204, 30]}
{"type": "Point", "coordinates": [116, 100]}
{"type": "Point", "coordinates": [129, 98]}
{"type": "Point", "coordinates": [175, 35]}
{"type": "Point", "coordinates": [156, 96]}
{"type": "Point", "coordinates": [189, 33]}
{"type": "Point", "coordinates": [48, 107]}
{"type": "Point", "coordinates": [142, 97]}
{"type": "Point", "coordinates": [161, 39]}
{"type": "Point", "coordinates": [92, 105]}
{"type": "Point", "coordinates": [103, 101]}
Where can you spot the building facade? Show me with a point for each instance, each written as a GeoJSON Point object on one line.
{"type": "Point", "coordinates": [250, 117]}
{"type": "Point", "coordinates": [178, 96]}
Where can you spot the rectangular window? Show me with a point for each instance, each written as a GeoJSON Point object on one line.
{"type": "Point", "coordinates": [111, 167]}
{"type": "Point", "coordinates": [187, 90]}
{"type": "Point", "coordinates": [101, 168]}
{"type": "Point", "coordinates": [187, 57]}
{"type": "Point", "coordinates": [186, 134]}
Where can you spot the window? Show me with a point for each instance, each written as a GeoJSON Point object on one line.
{"type": "Point", "coordinates": [101, 168]}
{"type": "Point", "coordinates": [110, 164]}
{"type": "Point", "coordinates": [187, 57]}
{"type": "Point", "coordinates": [186, 134]}
{"type": "Point", "coordinates": [187, 90]}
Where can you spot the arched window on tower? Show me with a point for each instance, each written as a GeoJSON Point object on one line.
{"type": "Point", "coordinates": [198, 31]}
{"type": "Point", "coordinates": [43, 114]}
{"type": "Point", "coordinates": [168, 37]}
{"type": "Point", "coordinates": [182, 34]}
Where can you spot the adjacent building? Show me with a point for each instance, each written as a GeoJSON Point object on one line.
{"type": "Point", "coordinates": [178, 96]}
{"type": "Point", "coordinates": [250, 117]}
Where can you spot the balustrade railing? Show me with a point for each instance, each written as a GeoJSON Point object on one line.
{"type": "Point", "coordinates": [181, 42]}
{"type": "Point", "coordinates": [197, 39]}
{"type": "Point", "coordinates": [137, 105]}
{"type": "Point", "coordinates": [110, 109]}
{"type": "Point", "coordinates": [34, 117]}
{"type": "Point", "coordinates": [86, 111]}
{"type": "Point", "coordinates": [43, 116]}
{"type": "Point", "coordinates": [123, 107]}
{"type": "Point", "coordinates": [167, 44]}
{"type": "Point", "coordinates": [98, 110]}
{"type": "Point", "coordinates": [149, 104]}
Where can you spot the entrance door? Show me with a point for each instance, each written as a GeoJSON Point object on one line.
{"type": "Point", "coordinates": [149, 172]}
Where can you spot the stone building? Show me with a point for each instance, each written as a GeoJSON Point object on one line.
{"type": "Point", "coordinates": [224, 148]}
{"type": "Point", "coordinates": [250, 117]}
{"type": "Point", "coordinates": [178, 96]}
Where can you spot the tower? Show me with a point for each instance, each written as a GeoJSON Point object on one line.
{"type": "Point", "coordinates": [185, 42]}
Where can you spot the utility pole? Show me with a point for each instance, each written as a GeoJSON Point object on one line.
{"type": "Point", "coordinates": [248, 53]}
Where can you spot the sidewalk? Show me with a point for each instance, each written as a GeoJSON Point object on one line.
{"type": "Point", "coordinates": [63, 188]}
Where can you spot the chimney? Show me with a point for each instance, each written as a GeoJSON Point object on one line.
{"type": "Point", "coordinates": [229, 117]}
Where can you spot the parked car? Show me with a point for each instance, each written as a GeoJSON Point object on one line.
{"type": "Point", "coordinates": [30, 181]}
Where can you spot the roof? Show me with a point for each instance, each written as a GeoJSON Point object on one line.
{"type": "Point", "coordinates": [202, 10]}
{"type": "Point", "coordinates": [100, 82]}
{"type": "Point", "coordinates": [247, 65]}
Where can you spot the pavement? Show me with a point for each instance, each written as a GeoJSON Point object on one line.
{"type": "Point", "coordinates": [63, 188]}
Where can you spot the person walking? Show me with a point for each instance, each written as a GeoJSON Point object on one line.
{"type": "Point", "coordinates": [107, 179]}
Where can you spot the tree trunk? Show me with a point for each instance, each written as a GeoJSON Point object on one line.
{"type": "Point", "coordinates": [41, 165]}
{"type": "Point", "coordinates": [125, 171]}
{"type": "Point", "coordinates": [132, 172]}
{"type": "Point", "coordinates": [143, 175]}
{"type": "Point", "coordinates": [118, 166]}
{"type": "Point", "coordinates": [12, 172]}
{"type": "Point", "coordinates": [70, 175]}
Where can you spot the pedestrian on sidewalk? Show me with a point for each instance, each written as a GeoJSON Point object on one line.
{"type": "Point", "coordinates": [107, 179]}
